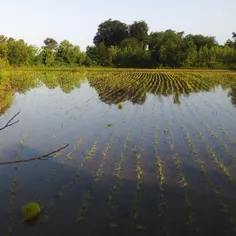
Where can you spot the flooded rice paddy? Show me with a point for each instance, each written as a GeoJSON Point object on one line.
{"type": "Point", "coordinates": [149, 153]}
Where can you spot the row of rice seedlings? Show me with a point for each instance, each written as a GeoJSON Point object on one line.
{"type": "Point", "coordinates": [223, 205]}
{"type": "Point", "coordinates": [167, 130]}
{"type": "Point", "coordinates": [169, 135]}
{"type": "Point", "coordinates": [162, 203]}
{"type": "Point", "coordinates": [209, 149]}
{"type": "Point", "coordinates": [199, 134]}
{"type": "Point", "coordinates": [112, 208]}
{"type": "Point", "coordinates": [215, 190]}
{"type": "Point", "coordinates": [106, 89]}
{"type": "Point", "coordinates": [143, 122]}
{"type": "Point", "coordinates": [214, 158]}
{"type": "Point", "coordinates": [231, 219]}
{"type": "Point", "coordinates": [128, 86]}
{"type": "Point", "coordinates": [118, 166]}
{"type": "Point", "coordinates": [129, 83]}
{"type": "Point", "coordinates": [223, 145]}
{"type": "Point", "coordinates": [68, 157]}
{"type": "Point", "coordinates": [149, 81]}
{"type": "Point", "coordinates": [139, 173]}
{"type": "Point", "coordinates": [161, 90]}
{"type": "Point", "coordinates": [220, 165]}
{"type": "Point", "coordinates": [188, 139]}
{"type": "Point", "coordinates": [89, 154]}
{"type": "Point", "coordinates": [99, 172]}
{"type": "Point", "coordinates": [172, 83]}
{"type": "Point", "coordinates": [140, 88]}
{"type": "Point", "coordinates": [228, 137]}
{"type": "Point", "coordinates": [180, 83]}
{"type": "Point", "coordinates": [50, 205]}
{"type": "Point", "coordinates": [153, 84]}
{"type": "Point", "coordinates": [222, 130]}
{"type": "Point", "coordinates": [157, 83]}
{"type": "Point", "coordinates": [169, 83]}
{"type": "Point", "coordinates": [183, 181]}
{"type": "Point", "coordinates": [87, 197]}
{"type": "Point", "coordinates": [91, 151]}
{"type": "Point", "coordinates": [108, 93]}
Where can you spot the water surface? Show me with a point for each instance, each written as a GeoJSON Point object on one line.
{"type": "Point", "coordinates": [149, 153]}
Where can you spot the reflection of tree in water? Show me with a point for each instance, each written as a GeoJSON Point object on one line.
{"type": "Point", "coordinates": [22, 81]}
{"type": "Point", "coordinates": [67, 81]}
{"type": "Point", "coordinates": [12, 82]}
{"type": "Point", "coordinates": [70, 81]}
{"type": "Point", "coordinates": [115, 87]}
{"type": "Point", "coordinates": [232, 94]}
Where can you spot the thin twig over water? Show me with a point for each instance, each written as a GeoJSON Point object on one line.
{"type": "Point", "coordinates": [8, 124]}
{"type": "Point", "coordinates": [34, 158]}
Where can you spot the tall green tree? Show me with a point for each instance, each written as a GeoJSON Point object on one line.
{"type": "Point", "coordinates": [168, 48]}
{"type": "Point", "coordinates": [201, 41]}
{"type": "Point", "coordinates": [229, 43]}
{"type": "Point", "coordinates": [98, 56]}
{"type": "Point", "coordinates": [234, 37]}
{"type": "Point", "coordinates": [68, 54]}
{"type": "Point", "coordinates": [3, 50]}
{"type": "Point", "coordinates": [50, 43]}
{"type": "Point", "coordinates": [132, 54]}
{"type": "Point", "coordinates": [139, 30]}
{"type": "Point", "coordinates": [111, 33]}
{"type": "Point", "coordinates": [46, 57]}
{"type": "Point", "coordinates": [19, 53]}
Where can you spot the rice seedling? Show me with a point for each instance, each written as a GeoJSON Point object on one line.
{"type": "Point", "coordinates": [99, 172]}
{"type": "Point", "coordinates": [90, 153]}
{"type": "Point", "coordinates": [216, 161]}
{"type": "Point", "coordinates": [139, 172]}
{"type": "Point", "coordinates": [183, 183]}
{"type": "Point", "coordinates": [225, 209]}
{"type": "Point", "coordinates": [84, 206]}
{"type": "Point", "coordinates": [160, 172]}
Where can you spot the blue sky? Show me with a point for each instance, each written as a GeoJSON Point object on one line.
{"type": "Point", "coordinates": [77, 20]}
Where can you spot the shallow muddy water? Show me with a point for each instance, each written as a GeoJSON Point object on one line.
{"type": "Point", "coordinates": [149, 154]}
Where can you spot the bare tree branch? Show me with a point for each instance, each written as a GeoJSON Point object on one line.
{"type": "Point", "coordinates": [8, 124]}
{"type": "Point", "coordinates": [34, 158]}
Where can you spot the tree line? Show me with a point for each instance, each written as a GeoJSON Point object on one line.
{"type": "Point", "coordinates": [117, 44]}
